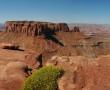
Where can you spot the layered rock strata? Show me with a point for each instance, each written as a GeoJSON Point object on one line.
{"type": "Point", "coordinates": [33, 28]}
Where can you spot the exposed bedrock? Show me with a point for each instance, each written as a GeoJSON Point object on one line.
{"type": "Point", "coordinates": [33, 28]}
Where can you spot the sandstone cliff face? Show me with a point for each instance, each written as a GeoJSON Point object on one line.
{"type": "Point", "coordinates": [33, 28]}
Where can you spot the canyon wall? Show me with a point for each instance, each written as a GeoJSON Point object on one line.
{"type": "Point", "coordinates": [33, 28]}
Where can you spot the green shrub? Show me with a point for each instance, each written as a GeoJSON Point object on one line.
{"type": "Point", "coordinates": [43, 79]}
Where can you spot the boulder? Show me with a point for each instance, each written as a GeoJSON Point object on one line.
{"type": "Point", "coordinates": [12, 76]}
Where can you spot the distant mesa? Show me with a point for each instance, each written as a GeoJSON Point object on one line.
{"type": "Point", "coordinates": [34, 28]}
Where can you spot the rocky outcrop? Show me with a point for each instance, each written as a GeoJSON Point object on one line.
{"type": "Point", "coordinates": [12, 76]}
{"type": "Point", "coordinates": [76, 29]}
{"type": "Point", "coordinates": [82, 73]}
{"type": "Point", "coordinates": [33, 28]}
{"type": "Point", "coordinates": [9, 46]}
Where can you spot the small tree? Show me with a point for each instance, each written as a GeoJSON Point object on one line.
{"type": "Point", "coordinates": [44, 79]}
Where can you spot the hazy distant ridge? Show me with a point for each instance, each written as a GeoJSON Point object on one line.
{"type": "Point", "coordinates": [92, 28]}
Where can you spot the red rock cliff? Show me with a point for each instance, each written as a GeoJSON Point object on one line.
{"type": "Point", "coordinates": [33, 28]}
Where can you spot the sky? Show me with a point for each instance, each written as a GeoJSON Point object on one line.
{"type": "Point", "coordinates": [69, 11]}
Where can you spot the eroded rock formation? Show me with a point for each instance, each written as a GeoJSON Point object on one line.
{"type": "Point", "coordinates": [76, 29]}
{"type": "Point", "coordinates": [82, 73]}
{"type": "Point", "coordinates": [33, 28]}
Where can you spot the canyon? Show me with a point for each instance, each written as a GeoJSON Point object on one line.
{"type": "Point", "coordinates": [85, 57]}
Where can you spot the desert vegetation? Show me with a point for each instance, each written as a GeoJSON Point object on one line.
{"type": "Point", "coordinates": [43, 79]}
